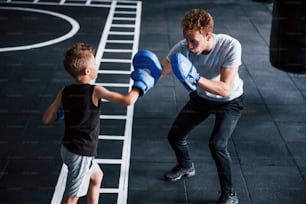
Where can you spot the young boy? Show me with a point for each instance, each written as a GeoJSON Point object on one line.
{"type": "Point", "coordinates": [80, 104]}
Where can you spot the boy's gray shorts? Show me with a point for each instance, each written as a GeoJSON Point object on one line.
{"type": "Point", "coordinates": [80, 168]}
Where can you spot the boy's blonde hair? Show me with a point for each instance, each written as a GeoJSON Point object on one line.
{"type": "Point", "coordinates": [198, 19]}
{"type": "Point", "coordinates": [76, 58]}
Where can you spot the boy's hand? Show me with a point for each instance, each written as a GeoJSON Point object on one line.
{"type": "Point", "coordinates": [60, 114]}
{"type": "Point", "coordinates": [142, 80]}
{"type": "Point", "coordinates": [148, 61]}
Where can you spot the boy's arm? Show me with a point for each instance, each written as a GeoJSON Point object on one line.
{"type": "Point", "coordinates": [50, 114]}
{"type": "Point", "coordinates": [115, 97]}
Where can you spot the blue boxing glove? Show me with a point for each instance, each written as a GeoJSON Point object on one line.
{"type": "Point", "coordinates": [60, 114]}
{"type": "Point", "coordinates": [143, 80]}
{"type": "Point", "coordinates": [185, 71]}
{"type": "Point", "coordinates": [148, 61]}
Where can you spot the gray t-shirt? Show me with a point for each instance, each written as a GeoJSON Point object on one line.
{"type": "Point", "coordinates": [226, 52]}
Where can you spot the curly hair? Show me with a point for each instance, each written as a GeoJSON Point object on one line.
{"type": "Point", "coordinates": [76, 58]}
{"type": "Point", "coordinates": [198, 19]}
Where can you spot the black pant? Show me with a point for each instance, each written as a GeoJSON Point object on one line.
{"type": "Point", "coordinates": [194, 112]}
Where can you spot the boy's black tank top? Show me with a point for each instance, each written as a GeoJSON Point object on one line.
{"type": "Point", "coordinates": [82, 123]}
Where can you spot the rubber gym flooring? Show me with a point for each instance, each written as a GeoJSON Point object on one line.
{"type": "Point", "coordinates": [268, 147]}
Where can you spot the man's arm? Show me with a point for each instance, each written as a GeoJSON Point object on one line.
{"type": "Point", "coordinates": [166, 67]}
{"type": "Point", "coordinates": [222, 87]}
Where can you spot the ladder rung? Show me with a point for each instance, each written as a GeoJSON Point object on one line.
{"type": "Point", "coordinates": [118, 50]}
{"type": "Point", "coordinates": [109, 190]}
{"type": "Point", "coordinates": [123, 25]}
{"type": "Point", "coordinates": [116, 60]}
{"type": "Point", "coordinates": [121, 33]}
{"type": "Point", "coordinates": [125, 12]}
{"type": "Point", "coordinates": [121, 41]}
{"type": "Point", "coordinates": [119, 117]}
{"type": "Point", "coordinates": [124, 19]}
{"type": "Point", "coordinates": [126, 6]}
{"type": "Point", "coordinates": [113, 72]}
{"type": "Point", "coordinates": [111, 137]}
{"type": "Point", "coordinates": [109, 161]}
{"type": "Point", "coordinates": [113, 85]}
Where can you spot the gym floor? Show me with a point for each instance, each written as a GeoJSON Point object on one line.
{"type": "Point", "coordinates": [268, 147]}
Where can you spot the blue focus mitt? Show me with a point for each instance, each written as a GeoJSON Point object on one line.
{"type": "Point", "coordinates": [185, 71]}
{"type": "Point", "coordinates": [147, 70]}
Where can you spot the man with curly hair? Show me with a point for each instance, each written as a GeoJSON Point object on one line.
{"type": "Point", "coordinates": [218, 91]}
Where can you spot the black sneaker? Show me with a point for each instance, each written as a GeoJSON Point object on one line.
{"type": "Point", "coordinates": [178, 172]}
{"type": "Point", "coordinates": [228, 199]}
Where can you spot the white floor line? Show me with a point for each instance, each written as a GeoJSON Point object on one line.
{"type": "Point", "coordinates": [109, 161]}
{"type": "Point", "coordinates": [88, 2]}
{"type": "Point", "coordinates": [126, 151]}
{"type": "Point", "coordinates": [118, 50]}
{"type": "Point", "coordinates": [104, 36]}
{"type": "Point", "coordinates": [121, 41]}
{"type": "Point", "coordinates": [125, 6]}
{"type": "Point", "coordinates": [113, 72]}
{"type": "Point", "coordinates": [111, 137]}
{"type": "Point", "coordinates": [113, 85]}
{"type": "Point", "coordinates": [75, 27]}
{"type": "Point", "coordinates": [60, 186]}
{"type": "Point", "coordinates": [116, 60]}
{"type": "Point", "coordinates": [122, 26]}
{"type": "Point", "coordinates": [114, 117]}
{"type": "Point", "coordinates": [124, 19]}
{"type": "Point", "coordinates": [125, 12]}
{"type": "Point", "coordinates": [120, 33]}
{"type": "Point", "coordinates": [109, 190]}
{"type": "Point", "coordinates": [61, 3]}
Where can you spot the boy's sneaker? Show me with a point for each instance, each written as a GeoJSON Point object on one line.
{"type": "Point", "coordinates": [228, 199]}
{"type": "Point", "coordinates": [178, 172]}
